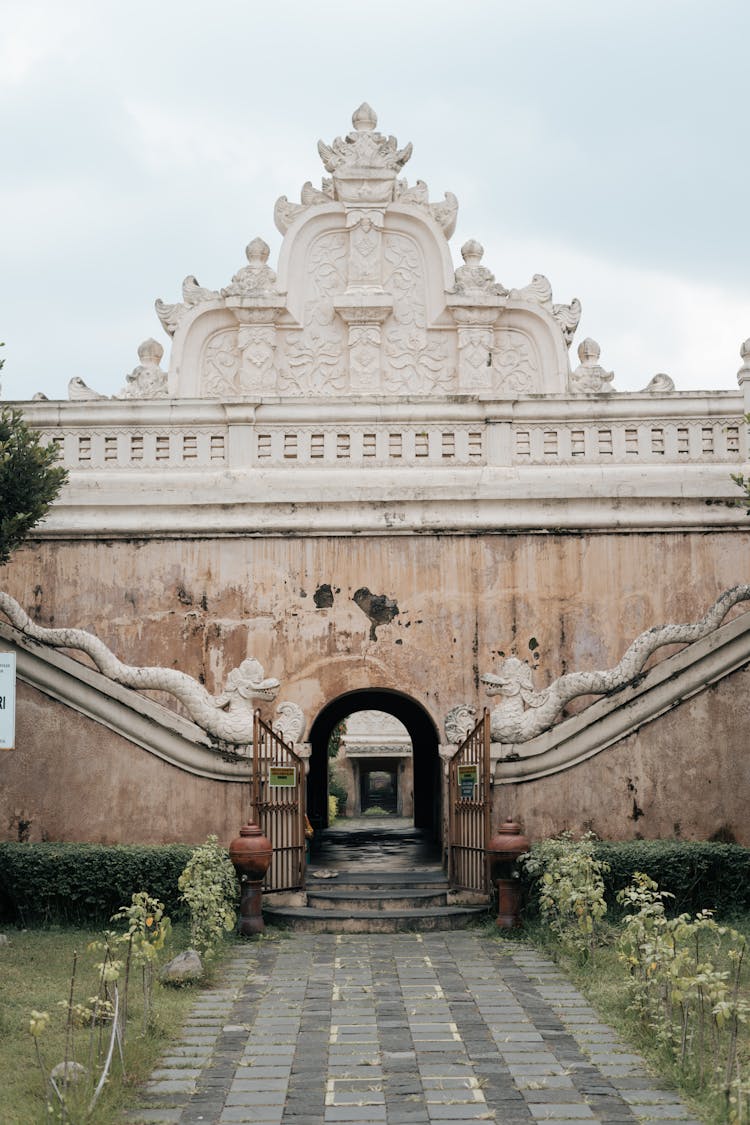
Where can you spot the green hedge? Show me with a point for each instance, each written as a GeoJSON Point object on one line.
{"type": "Point", "coordinates": [81, 884]}
{"type": "Point", "coordinates": [701, 875]}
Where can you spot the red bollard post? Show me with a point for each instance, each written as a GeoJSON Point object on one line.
{"type": "Point", "coordinates": [503, 850]}
{"type": "Point", "coordinates": [250, 853]}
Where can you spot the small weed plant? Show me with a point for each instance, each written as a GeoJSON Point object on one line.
{"type": "Point", "coordinates": [210, 888]}
{"type": "Point", "coordinates": [148, 929]}
{"type": "Point", "coordinates": [95, 1030]}
{"type": "Point", "coordinates": [571, 889]}
{"type": "Point", "coordinates": [685, 988]}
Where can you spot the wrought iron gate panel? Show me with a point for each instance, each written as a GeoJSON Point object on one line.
{"type": "Point", "coordinates": [469, 810]}
{"type": "Point", "coordinates": [278, 798]}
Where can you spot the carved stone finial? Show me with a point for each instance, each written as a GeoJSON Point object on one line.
{"type": "Point", "coordinates": [661, 384]}
{"type": "Point", "coordinates": [147, 380]}
{"type": "Point", "coordinates": [472, 252]}
{"type": "Point", "coordinates": [257, 251]}
{"type": "Point", "coordinates": [193, 293]}
{"type": "Point", "coordinates": [444, 214]}
{"type": "Point", "coordinates": [589, 351]}
{"type": "Point", "coordinates": [474, 277]}
{"type": "Point", "coordinates": [256, 277]}
{"type": "Point", "coordinates": [743, 375]}
{"type": "Point", "coordinates": [568, 316]}
{"type": "Point", "coordinates": [78, 391]}
{"type": "Point", "coordinates": [538, 290]}
{"type": "Point", "coordinates": [364, 163]}
{"type": "Point", "coordinates": [150, 351]}
{"type": "Point", "coordinates": [365, 119]}
{"type": "Point", "coordinates": [589, 377]}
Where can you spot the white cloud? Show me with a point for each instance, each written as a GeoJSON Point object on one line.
{"type": "Point", "coordinates": [34, 33]}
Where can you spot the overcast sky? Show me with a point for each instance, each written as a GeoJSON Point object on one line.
{"type": "Point", "coordinates": [604, 145]}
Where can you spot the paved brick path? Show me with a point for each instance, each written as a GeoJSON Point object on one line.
{"type": "Point", "coordinates": [398, 1028]}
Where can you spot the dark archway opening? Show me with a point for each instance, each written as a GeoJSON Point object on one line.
{"type": "Point", "coordinates": [426, 759]}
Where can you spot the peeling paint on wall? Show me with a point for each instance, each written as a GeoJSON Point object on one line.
{"type": "Point", "coordinates": [323, 596]}
{"type": "Point", "coordinates": [380, 609]}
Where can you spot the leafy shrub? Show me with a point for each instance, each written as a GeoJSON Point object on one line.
{"type": "Point", "coordinates": [700, 875]}
{"type": "Point", "coordinates": [685, 984]}
{"type": "Point", "coordinates": [84, 884]}
{"type": "Point", "coordinates": [210, 888]}
{"type": "Point", "coordinates": [570, 886]}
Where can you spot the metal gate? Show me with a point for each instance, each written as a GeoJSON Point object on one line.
{"type": "Point", "coordinates": [278, 800]}
{"type": "Point", "coordinates": [469, 810]}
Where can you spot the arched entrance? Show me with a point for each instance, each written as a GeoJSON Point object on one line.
{"type": "Point", "coordinates": [426, 759]}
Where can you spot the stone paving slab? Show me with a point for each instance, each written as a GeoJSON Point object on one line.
{"type": "Point", "coordinates": [398, 1029]}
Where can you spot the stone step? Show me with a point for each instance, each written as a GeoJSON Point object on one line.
{"type": "Point", "coordinates": [351, 898]}
{"type": "Point", "coordinates": [428, 879]}
{"type": "Point", "coordinates": [312, 920]}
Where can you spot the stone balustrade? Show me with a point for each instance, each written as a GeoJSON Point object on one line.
{"type": "Point", "coordinates": [628, 430]}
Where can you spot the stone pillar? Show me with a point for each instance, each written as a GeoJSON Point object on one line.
{"type": "Point", "coordinates": [364, 311]}
{"type": "Point", "coordinates": [256, 343]}
{"type": "Point", "coordinates": [476, 335]}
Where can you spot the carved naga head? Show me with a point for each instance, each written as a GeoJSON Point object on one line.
{"type": "Point", "coordinates": [248, 682]}
{"type": "Point", "coordinates": [513, 678]}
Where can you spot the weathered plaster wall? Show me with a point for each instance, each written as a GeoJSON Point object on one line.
{"type": "Point", "coordinates": [74, 779]}
{"type": "Point", "coordinates": [563, 601]}
{"type": "Point", "coordinates": [686, 774]}
{"type": "Point", "coordinates": [445, 607]}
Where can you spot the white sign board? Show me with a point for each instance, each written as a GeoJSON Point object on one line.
{"type": "Point", "coordinates": [7, 700]}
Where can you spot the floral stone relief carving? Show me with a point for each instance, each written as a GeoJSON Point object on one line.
{"type": "Point", "coordinates": [418, 360]}
{"type": "Point", "coordinates": [314, 361]}
{"type": "Point", "coordinates": [515, 363]}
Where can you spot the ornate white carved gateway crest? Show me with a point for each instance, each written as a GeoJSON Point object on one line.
{"type": "Point", "coordinates": [365, 300]}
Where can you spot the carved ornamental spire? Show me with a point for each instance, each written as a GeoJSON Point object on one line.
{"type": "Point", "coordinates": [364, 163]}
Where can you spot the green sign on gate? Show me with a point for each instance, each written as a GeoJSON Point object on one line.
{"type": "Point", "coordinates": [282, 777]}
{"type": "Point", "coordinates": [467, 782]}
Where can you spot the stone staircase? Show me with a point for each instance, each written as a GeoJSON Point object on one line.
{"type": "Point", "coordinates": [369, 902]}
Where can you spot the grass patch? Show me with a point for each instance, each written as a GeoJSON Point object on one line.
{"type": "Point", "coordinates": [35, 968]}
{"type": "Point", "coordinates": [606, 983]}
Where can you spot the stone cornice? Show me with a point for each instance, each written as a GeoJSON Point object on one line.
{"type": "Point", "coordinates": [372, 408]}
{"type": "Point", "coordinates": [129, 714]}
{"type": "Point", "coordinates": [613, 718]}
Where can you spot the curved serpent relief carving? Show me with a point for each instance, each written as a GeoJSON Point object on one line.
{"type": "Point", "coordinates": [510, 720]}
{"type": "Point", "coordinates": [227, 717]}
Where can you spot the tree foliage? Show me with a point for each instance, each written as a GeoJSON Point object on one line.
{"type": "Point", "coordinates": [30, 480]}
